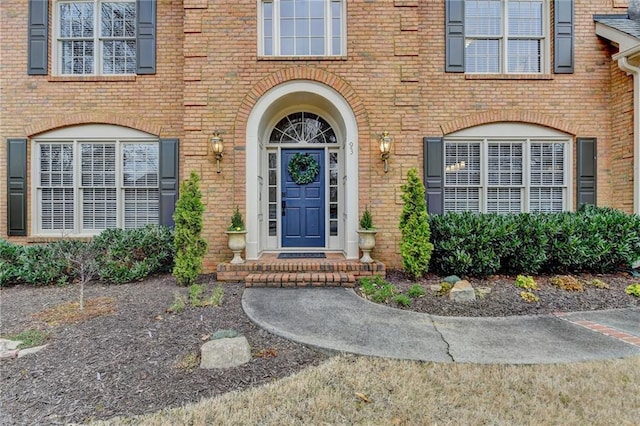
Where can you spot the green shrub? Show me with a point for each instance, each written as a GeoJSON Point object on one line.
{"type": "Point", "coordinates": [402, 300]}
{"type": "Point", "coordinates": [132, 254]}
{"type": "Point", "coordinates": [415, 248]}
{"type": "Point", "coordinates": [633, 290]}
{"type": "Point", "coordinates": [9, 263]}
{"type": "Point", "coordinates": [592, 240]}
{"type": "Point", "coordinates": [416, 290]}
{"type": "Point", "coordinates": [445, 288]}
{"type": "Point", "coordinates": [527, 282]}
{"type": "Point", "coordinates": [377, 289]}
{"type": "Point", "coordinates": [529, 297]}
{"type": "Point", "coordinates": [189, 245]}
{"type": "Point", "coordinates": [217, 296]}
{"type": "Point", "coordinates": [41, 265]}
{"type": "Point", "coordinates": [366, 220]}
{"type": "Point", "coordinates": [567, 282]}
{"type": "Point", "coordinates": [237, 223]}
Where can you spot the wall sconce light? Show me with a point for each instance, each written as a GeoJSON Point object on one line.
{"type": "Point", "coordinates": [216, 147]}
{"type": "Point", "coordinates": [385, 149]}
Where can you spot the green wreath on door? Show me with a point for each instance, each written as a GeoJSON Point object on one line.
{"type": "Point", "coordinates": [303, 168]}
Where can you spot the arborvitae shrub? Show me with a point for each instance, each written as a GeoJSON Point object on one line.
{"type": "Point", "coordinates": [415, 247]}
{"type": "Point", "coordinates": [189, 244]}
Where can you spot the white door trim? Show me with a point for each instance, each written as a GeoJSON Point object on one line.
{"type": "Point", "coordinates": [261, 116]}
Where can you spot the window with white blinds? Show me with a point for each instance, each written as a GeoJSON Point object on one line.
{"type": "Point", "coordinates": [505, 36]}
{"type": "Point", "coordinates": [505, 176]}
{"type": "Point", "coordinates": [87, 186]}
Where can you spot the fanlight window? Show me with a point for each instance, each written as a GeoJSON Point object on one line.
{"type": "Point", "coordinates": [303, 127]}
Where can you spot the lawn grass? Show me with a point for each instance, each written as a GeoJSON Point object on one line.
{"type": "Point", "coordinates": [362, 390]}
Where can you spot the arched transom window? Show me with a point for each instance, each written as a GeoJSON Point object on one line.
{"type": "Point", "coordinates": [303, 127]}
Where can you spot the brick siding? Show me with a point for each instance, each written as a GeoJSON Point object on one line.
{"type": "Point", "coordinates": [209, 77]}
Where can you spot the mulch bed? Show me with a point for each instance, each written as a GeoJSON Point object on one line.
{"type": "Point", "coordinates": [504, 298]}
{"type": "Point", "coordinates": [134, 361]}
{"type": "Point", "coordinates": [141, 359]}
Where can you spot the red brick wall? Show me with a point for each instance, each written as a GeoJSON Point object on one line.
{"type": "Point", "coordinates": [209, 76]}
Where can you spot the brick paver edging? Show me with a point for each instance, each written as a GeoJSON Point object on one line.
{"type": "Point", "coordinates": [602, 329]}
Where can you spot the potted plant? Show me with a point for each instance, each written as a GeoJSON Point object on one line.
{"type": "Point", "coordinates": [366, 236]}
{"type": "Point", "coordinates": [237, 234]}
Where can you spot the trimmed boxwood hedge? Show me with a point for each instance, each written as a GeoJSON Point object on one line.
{"type": "Point", "coordinates": [124, 256]}
{"type": "Point", "coordinates": [590, 240]}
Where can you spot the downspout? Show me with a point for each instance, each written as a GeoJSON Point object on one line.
{"type": "Point", "coordinates": [623, 63]}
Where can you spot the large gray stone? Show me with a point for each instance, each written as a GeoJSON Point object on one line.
{"type": "Point", "coordinates": [225, 353]}
{"type": "Point", "coordinates": [462, 291]}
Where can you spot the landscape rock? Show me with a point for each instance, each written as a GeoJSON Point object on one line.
{"type": "Point", "coordinates": [462, 291]}
{"type": "Point", "coordinates": [225, 353]}
{"type": "Point", "coordinates": [9, 354]}
{"type": "Point", "coordinates": [9, 345]}
{"type": "Point", "coordinates": [31, 350]}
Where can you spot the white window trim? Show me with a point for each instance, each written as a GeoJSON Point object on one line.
{"type": "Point", "coordinates": [495, 133]}
{"type": "Point", "coordinates": [56, 54]}
{"type": "Point", "coordinates": [276, 31]}
{"type": "Point", "coordinates": [503, 38]}
{"type": "Point", "coordinates": [76, 136]}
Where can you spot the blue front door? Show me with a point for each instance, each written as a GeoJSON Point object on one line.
{"type": "Point", "coordinates": [303, 211]}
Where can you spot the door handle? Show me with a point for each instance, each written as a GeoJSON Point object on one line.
{"type": "Point", "coordinates": [284, 207]}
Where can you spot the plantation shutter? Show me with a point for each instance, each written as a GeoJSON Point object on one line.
{"type": "Point", "coordinates": [37, 46]}
{"type": "Point", "coordinates": [168, 180]}
{"type": "Point", "coordinates": [434, 174]}
{"type": "Point", "coordinates": [563, 37]}
{"type": "Point", "coordinates": [17, 187]}
{"type": "Point", "coordinates": [454, 27]}
{"type": "Point", "coordinates": [587, 171]}
{"type": "Point", "coordinates": [146, 37]}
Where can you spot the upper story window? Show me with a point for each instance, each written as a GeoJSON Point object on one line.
{"type": "Point", "coordinates": [95, 37]}
{"type": "Point", "coordinates": [302, 28]}
{"type": "Point", "coordinates": [505, 36]}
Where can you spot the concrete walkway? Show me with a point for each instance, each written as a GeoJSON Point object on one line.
{"type": "Point", "coordinates": [338, 319]}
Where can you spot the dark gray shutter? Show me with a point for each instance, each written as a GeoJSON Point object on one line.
{"type": "Point", "coordinates": [454, 27]}
{"type": "Point", "coordinates": [587, 170]}
{"type": "Point", "coordinates": [146, 36]}
{"type": "Point", "coordinates": [37, 48]}
{"type": "Point", "coordinates": [168, 180]}
{"type": "Point", "coordinates": [17, 187]}
{"type": "Point", "coordinates": [563, 36]}
{"type": "Point", "coordinates": [434, 174]}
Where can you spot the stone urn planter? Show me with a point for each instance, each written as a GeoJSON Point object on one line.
{"type": "Point", "coordinates": [237, 243]}
{"type": "Point", "coordinates": [366, 242]}
{"type": "Point", "coordinates": [366, 236]}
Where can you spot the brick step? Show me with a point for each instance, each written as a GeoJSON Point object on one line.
{"type": "Point", "coordinates": [239, 272]}
{"type": "Point", "coordinates": [300, 279]}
